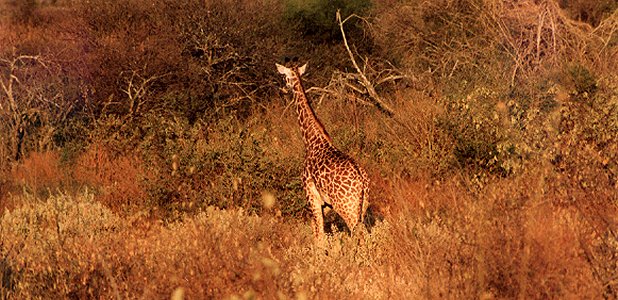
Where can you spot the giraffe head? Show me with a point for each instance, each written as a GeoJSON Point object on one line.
{"type": "Point", "coordinates": [292, 74]}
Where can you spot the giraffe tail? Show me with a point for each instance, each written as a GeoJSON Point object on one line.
{"type": "Point", "coordinates": [364, 204]}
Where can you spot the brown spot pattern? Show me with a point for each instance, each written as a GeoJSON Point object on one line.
{"type": "Point", "coordinates": [329, 175]}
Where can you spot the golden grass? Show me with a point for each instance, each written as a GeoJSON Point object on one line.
{"type": "Point", "coordinates": [437, 241]}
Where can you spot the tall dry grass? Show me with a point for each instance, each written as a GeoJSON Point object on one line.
{"type": "Point", "coordinates": [117, 179]}
{"type": "Point", "coordinates": [438, 240]}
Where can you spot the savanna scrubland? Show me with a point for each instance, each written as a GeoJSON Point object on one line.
{"type": "Point", "coordinates": [147, 150]}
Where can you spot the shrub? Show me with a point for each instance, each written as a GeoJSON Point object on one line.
{"type": "Point", "coordinates": [36, 110]}
{"type": "Point", "coordinates": [24, 11]}
{"type": "Point", "coordinates": [50, 247]}
{"type": "Point", "coordinates": [496, 178]}
{"type": "Point", "coordinates": [117, 179]}
{"type": "Point", "coordinates": [585, 149]}
{"type": "Point", "coordinates": [224, 164]}
{"type": "Point", "coordinates": [316, 18]}
{"type": "Point", "coordinates": [443, 240]}
{"type": "Point", "coordinates": [582, 80]}
{"type": "Point", "coordinates": [481, 127]}
{"type": "Point", "coordinates": [40, 173]}
{"type": "Point", "coordinates": [198, 58]}
{"type": "Point", "coordinates": [486, 41]}
{"type": "Point", "coordinates": [589, 12]}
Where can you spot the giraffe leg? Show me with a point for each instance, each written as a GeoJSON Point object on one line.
{"type": "Point", "coordinates": [357, 213]}
{"type": "Point", "coordinates": [315, 202]}
{"type": "Point", "coordinates": [349, 215]}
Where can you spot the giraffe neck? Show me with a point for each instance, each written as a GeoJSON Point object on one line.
{"type": "Point", "coordinates": [311, 128]}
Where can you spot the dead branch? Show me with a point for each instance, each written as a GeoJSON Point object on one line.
{"type": "Point", "coordinates": [136, 91]}
{"type": "Point", "coordinates": [30, 110]}
{"type": "Point", "coordinates": [360, 75]}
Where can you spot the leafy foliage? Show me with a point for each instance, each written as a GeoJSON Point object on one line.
{"type": "Point", "coordinates": [316, 18]}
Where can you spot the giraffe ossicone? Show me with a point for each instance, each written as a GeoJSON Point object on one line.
{"type": "Point", "coordinates": [330, 177]}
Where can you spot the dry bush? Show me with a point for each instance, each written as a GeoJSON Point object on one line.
{"type": "Point", "coordinates": [410, 144]}
{"type": "Point", "coordinates": [506, 71]}
{"type": "Point", "coordinates": [200, 58]}
{"type": "Point", "coordinates": [40, 172]}
{"type": "Point", "coordinates": [24, 11]}
{"type": "Point", "coordinates": [33, 111]}
{"type": "Point", "coordinates": [586, 142]}
{"type": "Point", "coordinates": [481, 40]}
{"type": "Point", "coordinates": [591, 12]}
{"type": "Point", "coordinates": [428, 35]}
{"type": "Point", "coordinates": [196, 255]}
{"type": "Point", "coordinates": [53, 247]}
{"type": "Point", "coordinates": [228, 163]}
{"type": "Point", "coordinates": [128, 42]}
{"type": "Point", "coordinates": [499, 182]}
{"type": "Point", "coordinates": [525, 247]}
{"type": "Point", "coordinates": [501, 241]}
{"type": "Point", "coordinates": [438, 240]}
{"type": "Point", "coordinates": [4, 191]}
{"type": "Point", "coordinates": [117, 179]}
{"type": "Point", "coordinates": [217, 253]}
{"type": "Point", "coordinates": [41, 91]}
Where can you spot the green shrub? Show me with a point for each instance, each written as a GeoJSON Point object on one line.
{"type": "Point", "coordinates": [224, 164]}
{"type": "Point", "coordinates": [582, 80]}
{"type": "Point", "coordinates": [484, 132]}
{"type": "Point", "coordinates": [586, 148]}
{"type": "Point", "coordinates": [317, 18]}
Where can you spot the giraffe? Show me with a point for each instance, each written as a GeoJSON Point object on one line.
{"type": "Point", "coordinates": [330, 177]}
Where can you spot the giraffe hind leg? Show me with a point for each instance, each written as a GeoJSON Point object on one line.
{"type": "Point", "coordinates": [350, 217]}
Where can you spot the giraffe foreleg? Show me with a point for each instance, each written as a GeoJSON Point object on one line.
{"type": "Point", "coordinates": [315, 203]}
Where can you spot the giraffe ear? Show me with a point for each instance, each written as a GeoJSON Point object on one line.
{"type": "Point", "coordinates": [301, 70]}
{"type": "Point", "coordinates": [283, 70]}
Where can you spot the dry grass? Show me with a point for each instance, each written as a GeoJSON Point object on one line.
{"type": "Point", "coordinates": [535, 234]}
{"type": "Point", "coordinates": [437, 241]}
{"type": "Point", "coordinates": [117, 178]}
{"type": "Point", "coordinates": [40, 172]}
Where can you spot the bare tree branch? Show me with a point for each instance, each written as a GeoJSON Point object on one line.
{"type": "Point", "coordinates": [136, 91]}
{"type": "Point", "coordinates": [374, 97]}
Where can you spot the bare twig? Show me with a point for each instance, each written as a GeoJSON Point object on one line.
{"type": "Point", "coordinates": [375, 98]}
{"type": "Point", "coordinates": [538, 36]}
{"type": "Point", "coordinates": [19, 109]}
{"type": "Point", "coordinates": [136, 91]}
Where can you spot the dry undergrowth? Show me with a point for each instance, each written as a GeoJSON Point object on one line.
{"type": "Point", "coordinates": [438, 241]}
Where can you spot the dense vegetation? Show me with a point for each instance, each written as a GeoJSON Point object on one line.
{"type": "Point", "coordinates": [142, 144]}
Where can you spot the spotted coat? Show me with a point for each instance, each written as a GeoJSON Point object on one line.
{"type": "Point", "coordinates": [330, 177]}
